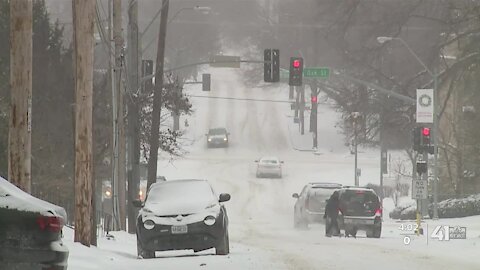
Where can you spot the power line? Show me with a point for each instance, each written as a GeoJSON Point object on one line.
{"type": "Point", "coordinates": [252, 99]}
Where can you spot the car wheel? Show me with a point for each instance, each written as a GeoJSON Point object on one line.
{"type": "Point", "coordinates": [302, 223]}
{"type": "Point", "coordinates": [296, 222]}
{"type": "Point", "coordinates": [144, 254]}
{"type": "Point", "coordinates": [377, 231]}
{"type": "Point", "coordinates": [223, 248]}
{"type": "Point", "coordinates": [374, 232]}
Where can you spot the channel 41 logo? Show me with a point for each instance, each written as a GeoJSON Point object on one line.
{"type": "Point", "coordinates": [447, 233]}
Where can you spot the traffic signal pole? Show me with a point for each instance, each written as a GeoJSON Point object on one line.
{"type": "Point", "coordinates": [302, 109]}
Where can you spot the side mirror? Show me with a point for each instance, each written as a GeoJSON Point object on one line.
{"type": "Point", "coordinates": [256, 161]}
{"type": "Point", "coordinates": [281, 162]}
{"type": "Point", "coordinates": [137, 203]}
{"type": "Point", "coordinates": [224, 197]}
{"type": "Point", "coordinates": [295, 195]}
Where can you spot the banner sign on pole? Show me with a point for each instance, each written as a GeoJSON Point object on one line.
{"type": "Point", "coordinates": [425, 106]}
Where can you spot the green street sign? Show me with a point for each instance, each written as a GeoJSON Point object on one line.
{"type": "Point", "coordinates": [319, 72]}
{"type": "Point", "coordinates": [228, 61]}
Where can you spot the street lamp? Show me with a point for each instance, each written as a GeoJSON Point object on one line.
{"type": "Point", "coordinates": [382, 40]}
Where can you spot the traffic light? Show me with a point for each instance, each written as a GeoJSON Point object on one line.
{"type": "Point", "coordinates": [296, 71]}
{"type": "Point", "coordinates": [422, 140]}
{"type": "Point", "coordinates": [271, 65]}
{"type": "Point", "coordinates": [206, 82]}
{"type": "Point", "coordinates": [314, 99]}
{"type": "Point", "coordinates": [416, 139]}
{"type": "Point", "coordinates": [425, 136]}
{"type": "Point", "coordinates": [267, 65]}
{"type": "Point", "coordinates": [275, 65]}
{"type": "Point", "coordinates": [422, 167]}
{"type": "Point", "coordinates": [147, 69]}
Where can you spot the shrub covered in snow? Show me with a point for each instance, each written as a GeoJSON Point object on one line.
{"type": "Point", "coordinates": [405, 211]}
{"type": "Point", "coordinates": [453, 208]}
{"type": "Point", "coordinates": [450, 208]}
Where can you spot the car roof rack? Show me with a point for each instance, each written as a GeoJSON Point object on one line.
{"type": "Point", "coordinates": [355, 187]}
{"type": "Point", "coordinates": [326, 184]}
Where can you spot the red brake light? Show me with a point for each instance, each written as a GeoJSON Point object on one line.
{"type": "Point", "coordinates": [378, 212]}
{"type": "Point", "coordinates": [52, 224]}
{"type": "Point", "coordinates": [359, 192]}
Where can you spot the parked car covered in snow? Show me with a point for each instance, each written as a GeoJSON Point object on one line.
{"type": "Point", "coordinates": [182, 214]}
{"type": "Point", "coordinates": [30, 231]}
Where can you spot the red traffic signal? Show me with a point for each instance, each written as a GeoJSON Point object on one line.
{"type": "Point", "coordinates": [426, 131]}
{"type": "Point", "coordinates": [314, 99]}
{"type": "Point", "coordinates": [296, 71]}
{"type": "Point", "coordinates": [296, 63]}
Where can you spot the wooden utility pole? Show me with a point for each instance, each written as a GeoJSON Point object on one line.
{"type": "Point", "coordinates": [120, 91]}
{"type": "Point", "coordinates": [83, 18]}
{"type": "Point", "coordinates": [133, 114]}
{"type": "Point", "coordinates": [157, 99]}
{"type": "Point", "coordinates": [20, 123]}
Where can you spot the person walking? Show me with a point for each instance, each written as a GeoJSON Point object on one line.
{"type": "Point", "coordinates": [331, 215]}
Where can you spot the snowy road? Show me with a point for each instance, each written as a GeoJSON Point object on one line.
{"type": "Point", "coordinates": [261, 210]}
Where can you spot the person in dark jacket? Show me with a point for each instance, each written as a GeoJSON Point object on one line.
{"type": "Point", "coordinates": [331, 214]}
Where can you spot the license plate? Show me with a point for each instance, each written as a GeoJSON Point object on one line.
{"type": "Point", "coordinates": [358, 221]}
{"type": "Point", "coordinates": [179, 229]}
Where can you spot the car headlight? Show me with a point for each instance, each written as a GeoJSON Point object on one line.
{"type": "Point", "coordinates": [209, 220]}
{"type": "Point", "coordinates": [225, 139]}
{"type": "Point", "coordinates": [209, 139]}
{"type": "Point", "coordinates": [149, 224]}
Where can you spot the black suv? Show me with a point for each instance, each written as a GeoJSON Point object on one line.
{"type": "Point", "coordinates": [360, 209]}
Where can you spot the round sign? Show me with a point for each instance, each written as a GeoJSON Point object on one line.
{"type": "Point", "coordinates": [425, 100]}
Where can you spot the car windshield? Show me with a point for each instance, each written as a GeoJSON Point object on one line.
{"type": "Point", "coordinates": [178, 191]}
{"type": "Point", "coordinates": [269, 161]}
{"type": "Point", "coordinates": [217, 131]}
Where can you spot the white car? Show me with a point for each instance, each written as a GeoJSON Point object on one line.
{"type": "Point", "coordinates": [269, 166]}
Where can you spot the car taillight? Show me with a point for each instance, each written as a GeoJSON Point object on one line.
{"type": "Point", "coordinates": [378, 212]}
{"type": "Point", "coordinates": [51, 224]}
